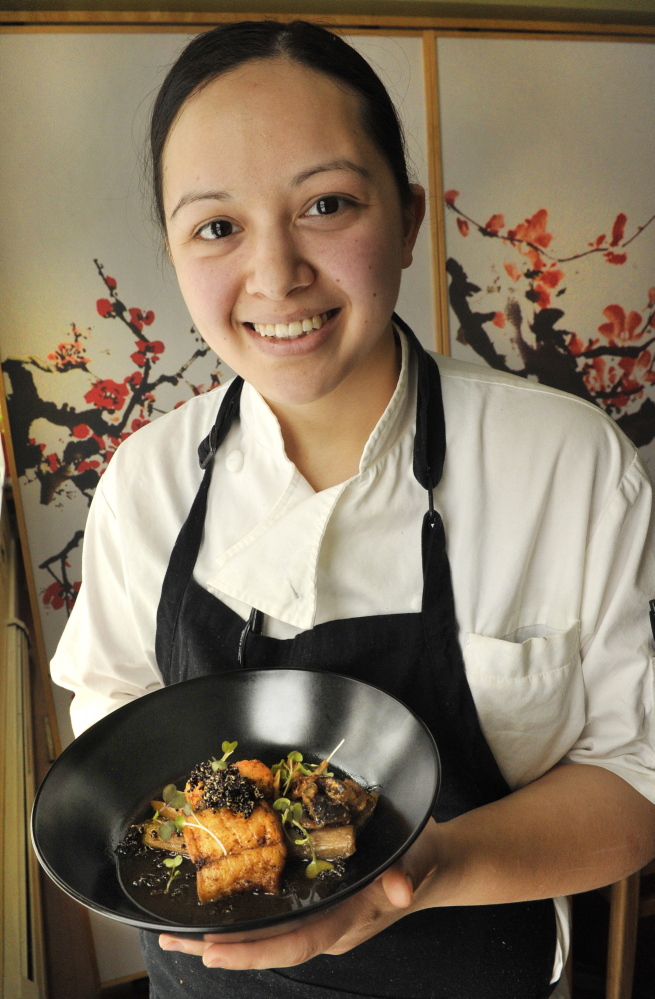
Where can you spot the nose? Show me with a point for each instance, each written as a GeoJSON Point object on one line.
{"type": "Point", "coordinates": [276, 266]}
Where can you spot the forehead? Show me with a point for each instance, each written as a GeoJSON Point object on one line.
{"type": "Point", "coordinates": [262, 113]}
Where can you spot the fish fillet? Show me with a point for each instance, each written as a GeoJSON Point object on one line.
{"type": "Point", "coordinates": [243, 854]}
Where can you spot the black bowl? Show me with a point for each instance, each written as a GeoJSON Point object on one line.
{"type": "Point", "coordinates": [100, 783]}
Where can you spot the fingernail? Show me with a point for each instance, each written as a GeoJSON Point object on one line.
{"type": "Point", "coordinates": [214, 962]}
{"type": "Point", "coordinates": [172, 945]}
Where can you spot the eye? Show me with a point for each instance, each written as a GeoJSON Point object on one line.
{"type": "Point", "coordinates": [328, 205]}
{"type": "Point", "coordinates": [218, 229]}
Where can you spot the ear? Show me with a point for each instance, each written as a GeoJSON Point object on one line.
{"type": "Point", "coordinates": [413, 216]}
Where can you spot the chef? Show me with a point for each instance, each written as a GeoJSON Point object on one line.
{"type": "Point", "coordinates": [476, 544]}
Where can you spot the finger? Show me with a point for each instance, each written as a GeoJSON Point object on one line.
{"type": "Point", "coordinates": [398, 887]}
{"type": "Point", "coordinates": [182, 944]}
{"type": "Point", "coordinates": [283, 951]}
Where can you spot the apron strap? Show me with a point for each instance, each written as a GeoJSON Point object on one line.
{"type": "Point", "coordinates": [430, 438]}
{"type": "Point", "coordinates": [185, 551]}
{"type": "Point", "coordinates": [438, 610]}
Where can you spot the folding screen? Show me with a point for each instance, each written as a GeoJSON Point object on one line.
{"type": "Point", "coordinates": [549, 179]}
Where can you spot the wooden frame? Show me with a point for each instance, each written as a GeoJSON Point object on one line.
{"type": "Point", "coordinates": [429, 29]}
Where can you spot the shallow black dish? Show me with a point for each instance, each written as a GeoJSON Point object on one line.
{"type": "Point", "coordinates": [94, 790]}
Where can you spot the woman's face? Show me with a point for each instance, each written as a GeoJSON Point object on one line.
{"type": "Point", "coordinates": [285, 229]}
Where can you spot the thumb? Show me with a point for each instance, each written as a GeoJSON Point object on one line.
{"type": "Point", "coordinates": [398, 887]}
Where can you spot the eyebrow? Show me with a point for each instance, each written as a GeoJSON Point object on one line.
{"type": "Point", "coordinates": [300, 178]}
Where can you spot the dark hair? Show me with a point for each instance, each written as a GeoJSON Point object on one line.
{"type": "Point", "coordinates": [228, 46]}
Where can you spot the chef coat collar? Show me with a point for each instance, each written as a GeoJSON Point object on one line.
{"type": "Point", "coordinates": [260, 421]}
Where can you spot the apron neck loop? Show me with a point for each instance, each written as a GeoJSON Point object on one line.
{"type": "Point", "coordinates": [229, 408]}
{"type": "Point", "coordinates": [430, 438]}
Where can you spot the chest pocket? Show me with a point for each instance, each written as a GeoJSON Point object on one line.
{"type": "Point", "coordinates": [529, 696]}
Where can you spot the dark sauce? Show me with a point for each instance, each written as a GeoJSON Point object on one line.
{"type": "Point", "coordinates": [144, 878]}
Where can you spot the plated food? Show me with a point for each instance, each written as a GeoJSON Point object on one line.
{"type": "Point", "coordinates": [104, 781]}
{"type": "Point", "coordinates": [240, 822]}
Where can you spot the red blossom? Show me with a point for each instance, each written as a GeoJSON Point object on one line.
{"type": "Point", "coordinates": [450, 197]}
{"type": "Point", "coordinates": [85, 465]}
{"type": "Point", "coordinates": [513, 271]}
{"type": "Point", "coordinates": [105, 308]}
{"type": "Point", "coordinates": [141, 319]}
{"type": "Point", "coordinates": [107, 394]}
{"type": "Point", "coordinates": [533, 230]}
{"type": "Point", "coordinates": [495, 224]}
{"type": "Point", "coordinates": [576, 346]}
{"type": "Point", "coordinates": [499, 320]}
{"type": "Point", "coordinates": [618, 229]}
{"type": "Point", "coordinates": [551, 277]}
{"type": "Point", "coordinates": [463, 226]}
{"type": "Point", "coordinates": [55, 595]}
{"type": "Point", "coordinates": [137, 423]}
{"type": "Point", "coordinates": [53, 462]}
{"type": "Point", "coordinates": [135, 316]}
{"type": "Point", "coordinates": [81, 431]}
{"type": "Point", "coordinates": [542, 300]}
{"type": "Point", "coordinates": [145, 347]}
{"type": "Point", "coordinates": [620, 328]}
{"type": "Point", "coordinates": [134, 380]}
{"type": "Point", "coordinates": [68, 356]}
{"type": "Point", "coordinates": [615, 258]}
{"type": "Point", "coordinates": [110, 282]}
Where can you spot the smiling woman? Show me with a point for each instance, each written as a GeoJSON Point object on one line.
{"type": "Point", "coordinates": [262, 249]}
{"type": "Point", "coordinates": [321, 525]}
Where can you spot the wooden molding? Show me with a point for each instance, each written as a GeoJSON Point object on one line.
{"type": "Point", "coordinates": [108, 20]}
{"type": "Point", "coordinates": [435, 206]}
{"type": "Point", "coordinates": [37, 631]}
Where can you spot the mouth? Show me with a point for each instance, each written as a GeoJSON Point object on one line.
{"type": "Point", "coordinates": [292, 331]}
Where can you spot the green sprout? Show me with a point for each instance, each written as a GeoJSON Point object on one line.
{"type": "Point", "coordinates": [289, 767]}
{"type": "Point", "coordinates": [291, 816]}
{"type": "Point", "coordinates": [176, 799]}
{"type": "Point", "coordinates": [228, 748]}
{"type": "Point", "coordinates": [173, 863]}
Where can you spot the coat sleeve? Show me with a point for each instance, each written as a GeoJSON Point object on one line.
{"type": "Point", "coordinates": [104, 657]}
{"type": "Point", "coordinates": [616, 640]}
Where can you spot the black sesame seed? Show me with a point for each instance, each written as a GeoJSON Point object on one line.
{"type": "Point", "coordinates": [225, 789]}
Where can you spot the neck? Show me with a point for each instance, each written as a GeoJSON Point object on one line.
{"type": "Point", "coordinates": [325, 439]}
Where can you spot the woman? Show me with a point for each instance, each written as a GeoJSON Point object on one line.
{"type": "Point", "coordinates": [310, 532]}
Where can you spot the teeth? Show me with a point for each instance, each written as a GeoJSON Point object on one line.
{"type": "Point", "coordinates": [288, 331]}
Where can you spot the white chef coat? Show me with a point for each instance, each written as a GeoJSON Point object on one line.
{"type": "Point", "coordinates": [548, 519]}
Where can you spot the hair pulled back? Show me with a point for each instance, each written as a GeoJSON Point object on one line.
{"type": "Point", "coordinates": [228, 46]}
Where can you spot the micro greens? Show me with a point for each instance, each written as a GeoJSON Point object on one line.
{"type": "Point", "coordinates": [173, 863]}
{"type": "Point", "coordinates": [228, 748]}
{"type": "Point", "coordinates": [288, 768]}
{"type": "Point", "coordinates": [175, 799]}
{"type": "Point", "coordinates": [291, 815]}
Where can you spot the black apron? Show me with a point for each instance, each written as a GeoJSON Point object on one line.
{"type": "Point", "coordinates": [465, 952]}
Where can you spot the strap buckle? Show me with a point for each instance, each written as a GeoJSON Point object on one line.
{"type": "Point", "coordinates": [212, 442]}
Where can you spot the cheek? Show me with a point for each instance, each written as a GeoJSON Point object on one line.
{"type": "Point", "coordinates": [210, 289]}
{"type": "Point", "coordinates": [367, 267]}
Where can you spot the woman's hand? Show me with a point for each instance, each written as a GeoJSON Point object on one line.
{"type": "Point", "coordinates": [578, 827]}
{"type": "Point", "coordinates": [391, 896]}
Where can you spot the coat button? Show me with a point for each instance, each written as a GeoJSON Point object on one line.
{"type": "Point", "coordinates": [234, 461]}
